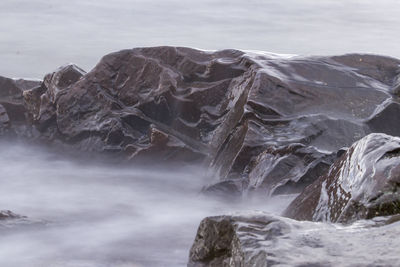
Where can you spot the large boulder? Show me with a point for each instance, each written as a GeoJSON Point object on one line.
{"type": "Point", "coordinates": [8, 215]}
{"type": "Point", "coordinates": [257, 239]}
{"type": "Point", "coordinates": [9, 89]}
{"type": "Point", "coordinates": [262, 123]}
{"type": "Point", "coordinates": [178, 91]}
{"type": "Point", "coordinates": [363, 183]}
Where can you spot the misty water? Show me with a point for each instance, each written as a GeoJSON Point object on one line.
{"type": "Point", "coordinates": [37, 36]}
{"type": "Point", "coordinates": [80, 213]}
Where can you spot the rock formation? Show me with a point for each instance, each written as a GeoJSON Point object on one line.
{"type": "Point", "coordinates": [264, 123]}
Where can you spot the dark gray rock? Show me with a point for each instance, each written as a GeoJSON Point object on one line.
{"type": "Point", "coordinates": [9, 89]}
{"type": "Point", "coordinates": [227, 189]}
{"type": "Point", "coordinates": [27, 84]}
{"type": "Point", "coordinates": [386, 120]}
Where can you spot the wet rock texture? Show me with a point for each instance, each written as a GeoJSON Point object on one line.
{"type": "Point", "coordinates": [259, 239]}
{"type": "Point", "coordinates": [361, 184]}
{"type": "Point", "coordinates": [262, 122]}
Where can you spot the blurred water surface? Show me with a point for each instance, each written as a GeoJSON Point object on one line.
{"type": "Point", "coordinates": [37, 36]}
{"type": "Point", "coordinates": [87, 214]}
{"type": "Point", "coordinates": [98, 215]}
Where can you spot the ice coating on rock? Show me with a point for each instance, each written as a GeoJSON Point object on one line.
{"type": "Point", "coordinates": [322, 211]}
{"type": "Point", "coordinates": [362, 183]}
{"type": "Point", "coordinates": [359, 168]}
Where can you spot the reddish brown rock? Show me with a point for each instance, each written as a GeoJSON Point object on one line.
{"type": "Point", "coordinates": [363, 183]}
{"type": "Point", "coordinates": [272, 123]}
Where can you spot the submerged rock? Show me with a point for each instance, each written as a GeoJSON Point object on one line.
{"type": "Point", "coordinates": [259, 239]}
{"type": "Point", "coordinates": [13, 114]}
{"type": "Point", "coordinates": [272, 123]}
{"type": "Point", "coordinates": [11, 222]}
{"type": "Point", "coordinates": [7, 214]}
{"type": "Point", "coordinates": [363, 183]}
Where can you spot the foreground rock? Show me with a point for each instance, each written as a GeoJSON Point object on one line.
{"type": "Point", "coordinates": [263, 123]}
{"type": "Point", "coordinates": [363, 183]}
{"type": "Point", "coordinates": [258, 239]}
{"type": "Point", "coordinates": [224, 240]}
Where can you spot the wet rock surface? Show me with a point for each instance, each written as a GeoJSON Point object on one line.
{"type": "Point", "coordinates": [260, 239]}
{"type": "Point", "coordinates": [263, 124]}
{"type": "Point", "coordinates": [363, 183]}
{"type": "Point", "coordinates": [224, 240]}
{"type": "Point", "coordinates": [269, 123]}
